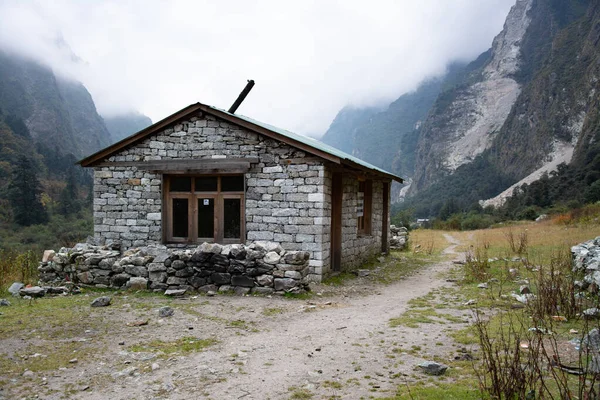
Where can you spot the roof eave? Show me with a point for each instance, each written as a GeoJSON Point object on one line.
{"type": "Point", "coordinates": [387, 175]}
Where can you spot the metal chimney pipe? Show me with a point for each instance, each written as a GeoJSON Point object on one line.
{"type": "Point", "coordinates": [241, 97]}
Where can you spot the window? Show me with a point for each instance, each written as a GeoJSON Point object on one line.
{"type": "Point", "coordinates": [363, 207]}
{"type": "Point", "coordinates": [204, 208]}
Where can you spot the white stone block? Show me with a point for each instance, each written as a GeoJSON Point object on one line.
{"type": "Point", "coordinates": [315, 263]}
{"type": "Point", "coordinates": [271, 170]}
{"type": "Point", "coordinates": [103, 174]}
{"type": "Point", "coordinates": [154, 216]}
{"type": "Point", "coordinates": [316, 197]}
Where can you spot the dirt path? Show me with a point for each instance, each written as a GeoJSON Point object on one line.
{"type": "Point", "coordinates": [343, 347]}
{"type": "Point", "coordinates": [330, 347]}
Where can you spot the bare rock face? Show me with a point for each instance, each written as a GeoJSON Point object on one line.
{"type": "Point", "coordinates": [464, 128]}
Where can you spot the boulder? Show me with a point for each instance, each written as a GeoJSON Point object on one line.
{"type": "Point", "coordinates": [271, 258]}
{"type": "Point", "coordinates": [137, 283]}
{"type": "Point", "coordinates": [265, 280]}
{"type": "Point", "coordinates": [15, 287]}
{"type": "Point", "coordinates": [285, 283]}
{"type": "Point", "coordinates": [220, 278]}
{"type": "Point", "coordinates": [433, 368]}
{"type": "Point", "coordinates": [260, 290]}
{"type": "Point", "coordinates": [213, 248]}
{"type": "Point", "coordinates": [175, 292]}
{"type": "Point", "coordinates": [591, 313]}
{"type": "Point", "coordinates": [296, 257]}
{"type": "Point", "coordinates": [103, 301]}
{"type": "Point", "coordinates": [35, 291]}
{"type": "Point", "coordinates": [165, 312]}
{"type": "Point", "coordinates": [48, 255]}
{"type": "Point", "coordinates": [241, 291]}
{"type": "Point", "coordinates": [178, 264]}
{"type": "Point", "coordinates": [136, 270]}
{"type": "Point", "coordinates": [119, 280]}
{"type": "Point", "coordinates": [241, 280]}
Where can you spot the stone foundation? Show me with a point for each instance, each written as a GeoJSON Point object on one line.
{"type": "Point", "coordinates": [260, 267]}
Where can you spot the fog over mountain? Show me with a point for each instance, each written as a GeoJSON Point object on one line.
{"type": "Point", "coordinates": [309, 59]}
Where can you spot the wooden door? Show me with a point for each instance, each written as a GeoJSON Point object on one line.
{"type": "Point", "coordinates": [336, 221]}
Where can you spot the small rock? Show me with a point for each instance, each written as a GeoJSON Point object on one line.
{"type": "Point", "coordinates": [4, 303]}
{"type": "Point", "coordinates": [73, 361]}
{"type": "Point", "coordinates": [137, 283]}
{"type": "Point", "coordinates": [524, 298]}
{"type": "Point", "coordinates": [591, 313]}
{"type": "Point", "coordinates": [482, 285]}
{"type": "Point", "coordinates": [165, 311]}
{"type": "Point", "coordinates": [48, 255]}
{"type": "Point", "coordinates": [175, 292]}
{"type": "Point", "coordinates": [210, 293]}
{"type": "Point", "coordinates": [15, 287]}
{"type": "Point", "coordinates": [470, 302]}
{"type": "Point", "coordinates": [103, 301]}
{"type": "Point", "coordinates": [363, 272]}
{"type": "Point", "coordinates": [155, 366]}
{"type": "Point", "coordinates": [34, 291]}
{"type": "Point", "coordinates": [271, 258]}
{"type": "Point", "coordinates": [142, 322]}
{"type": "Point", "coordinates": [28, 373]}
{"type": "Point", "coordinates": [524, 289]}
{"type": "Point", "coordinates": [433, 368]}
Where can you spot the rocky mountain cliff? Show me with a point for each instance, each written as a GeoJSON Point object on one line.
{"type": "Point", "coordinates": [385, 137]}
{"type": "Point", "coordinates": [59, 114]}
{"type": "Point", "coordinates": [465, 119]}
{"type": "Point", "coordinates": [521, 109]}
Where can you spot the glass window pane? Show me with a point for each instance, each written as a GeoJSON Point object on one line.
{"type": "Point", "coordinates": [206, 184]}
{"type": "Point", "coordinates": [180, 184]}
{"type": "Point", "coordinates": [232, 218]}
{"type": "Point", "coordinates": [206, 218]}
{"type": "Point", "coordinates": [180, 218]}
{"type": "Point", "coordinates": [232, 183]}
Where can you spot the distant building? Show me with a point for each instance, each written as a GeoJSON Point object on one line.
{"type": "Point", "coordinates": [206, 175]}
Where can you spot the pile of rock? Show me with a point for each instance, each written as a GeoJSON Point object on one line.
{"type": "Point", "coordinates": [261, 267]}
{"type": "Point", "coordinates": [399, 237]}
{"type": "Point", "coordinates": [586, 260]}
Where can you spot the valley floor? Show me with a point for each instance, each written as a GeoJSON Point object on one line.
{"type": "Point", "coordinates": [336, 344]}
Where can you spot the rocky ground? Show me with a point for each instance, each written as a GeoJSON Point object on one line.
{"type": "Point", "coordinates": [338, 343]}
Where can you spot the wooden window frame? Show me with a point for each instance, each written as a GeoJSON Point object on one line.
{"type": "Point", "coordinates": [193, 197]}
{"type": "Point", "coordinates": [364, 222]}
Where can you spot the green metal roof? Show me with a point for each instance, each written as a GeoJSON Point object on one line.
{"type": "Point", "coordinates": [317, 144]}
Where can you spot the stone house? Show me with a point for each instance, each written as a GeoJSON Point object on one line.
{"type": "Point", "coordinates": [207, 175]}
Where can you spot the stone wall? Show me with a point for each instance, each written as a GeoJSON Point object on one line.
{"type": "Point", "coordinates": [260, 268]}
{"type": "Point", "coordinates": [285, 190]}
{"type": "Point", "coordinates": [359, 248]}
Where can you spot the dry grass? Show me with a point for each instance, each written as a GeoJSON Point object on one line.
{"type": "Point", "coordinates": [428, 241]}
{"type": "Point", "coordinates": [544, 238]}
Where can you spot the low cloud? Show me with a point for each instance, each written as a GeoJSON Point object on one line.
{"type": "Point", "coordinates": [308, 58]}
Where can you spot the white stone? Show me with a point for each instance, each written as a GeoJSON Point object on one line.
{"type": "Point", "coordinates": [271, 170]}
{"type": "Point", "coordinates": [154, 216]}
{"type": "Point", "coordinates": [271, 258]}
{"type": "Point", "coordinates": [316, 197]}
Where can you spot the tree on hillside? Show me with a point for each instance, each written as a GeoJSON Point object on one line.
{"type": "Point", "coordinates": [24, 192]}
{"type": "Point", "coordinates": [68, 200]}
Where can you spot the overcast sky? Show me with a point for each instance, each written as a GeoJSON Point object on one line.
{"type": "Point", "coordinates": [308, 58]}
